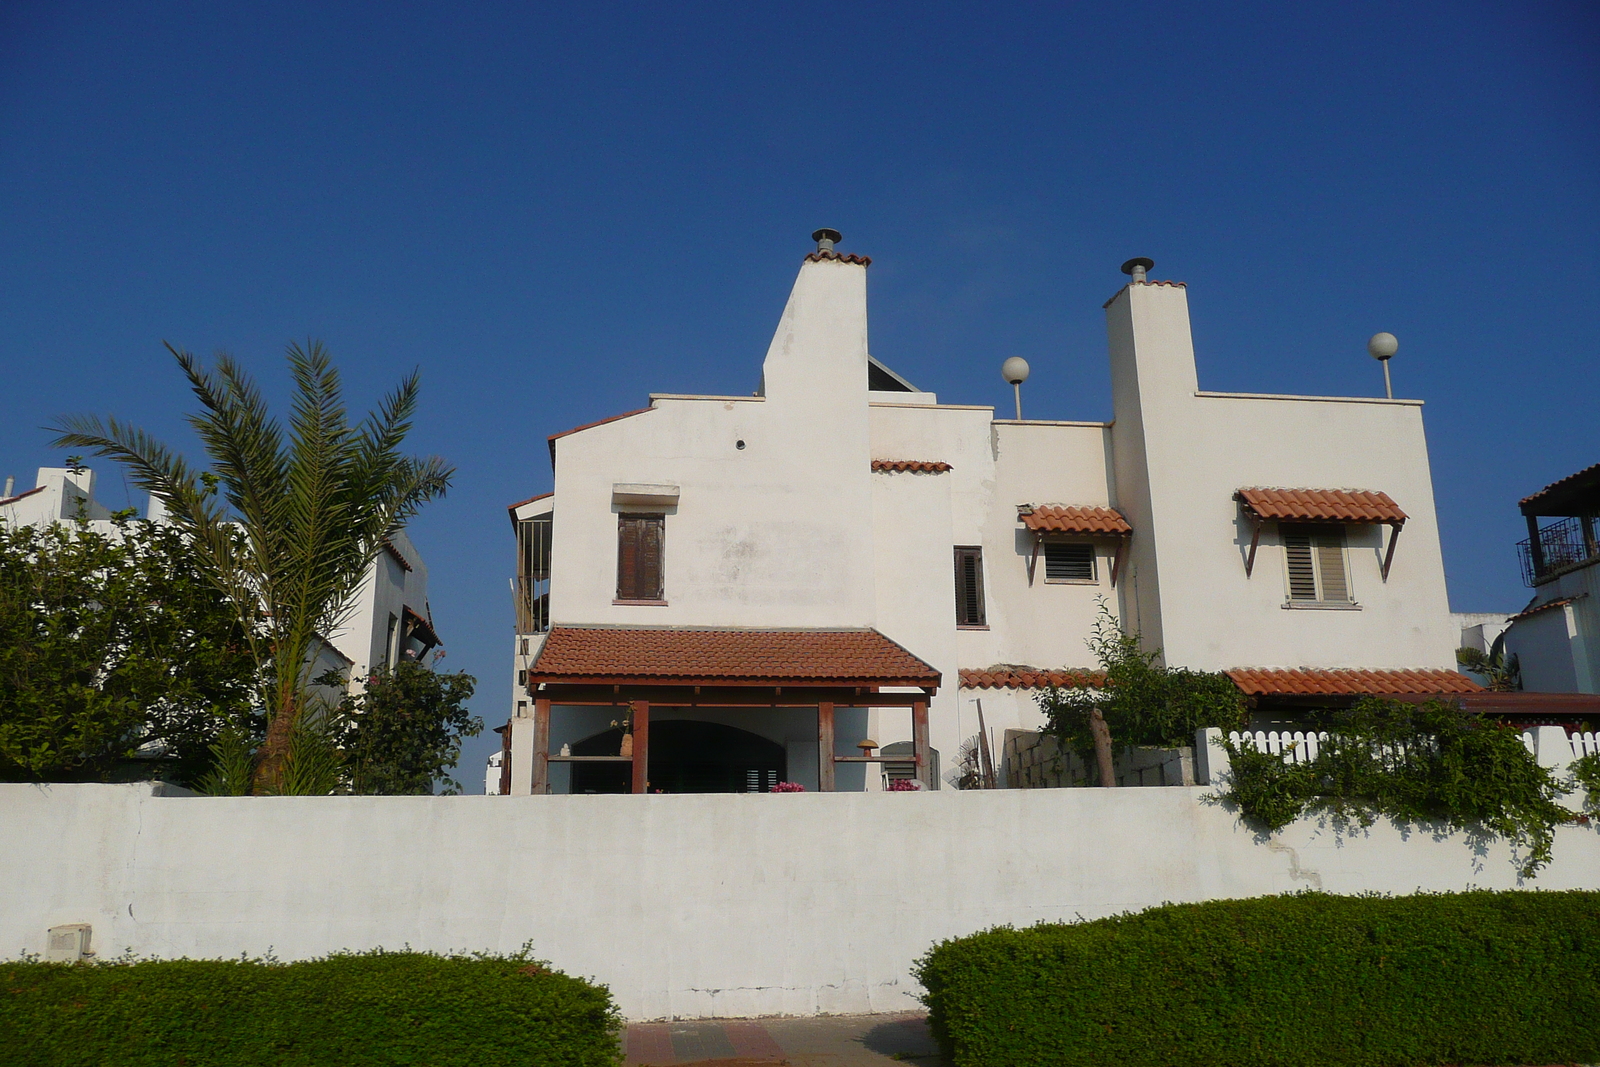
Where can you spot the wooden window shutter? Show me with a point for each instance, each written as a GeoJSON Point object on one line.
{"type": "Point", "coordinates": [1331, 579]}
{"type": "Point", "coordinates": [1316, 561]}
{"type": "Point", "coordinates": [969, 586]}
{"type": "Point", "coordinates": [639, 556]}
{"type": "Point", "coordinates": [1302, 572]}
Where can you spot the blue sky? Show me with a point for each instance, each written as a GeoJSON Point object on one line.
{"type": "Point", "coordinates": [556, 210]}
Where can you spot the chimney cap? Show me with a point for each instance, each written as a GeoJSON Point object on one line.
{"type": "Point", "coordinates": [826, 234]}
{"type": "Point", "coordinates": [1142, 262]}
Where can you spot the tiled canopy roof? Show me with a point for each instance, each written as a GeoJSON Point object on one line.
{"type": "Point", "coordinates": [1027, 678]}
{"type": "Point", "coordinates": [1051, 518]}
{"type": "Point", "coordinates": [1308, 682]}
{"type": "Point", "coordinates": [1561, 496]}
{"type": "Point", "coordinates": [909, 466]}
{"type": "Point", "coordinates": [842, 257]}
{"type": "Point", "coordinates": [1322, 505]}
{"type": "Point", "coordinates": [572, 654]}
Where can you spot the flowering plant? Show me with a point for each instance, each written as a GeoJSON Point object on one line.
{"type": "Point", "coordinates": [787, 787]}
{"type": "Point", "coordinates": [904, 785]}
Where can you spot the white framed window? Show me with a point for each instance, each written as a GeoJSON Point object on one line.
{"type": "Point", "coordinates": [1069, 563]}
{"type": "Point", "coordinates": [1316, 565]}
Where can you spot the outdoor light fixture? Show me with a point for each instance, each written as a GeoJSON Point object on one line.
{"type": "Point", "coordinates": [1383, 346]}
{"type": "Point", "coordinates": [1015, 371]}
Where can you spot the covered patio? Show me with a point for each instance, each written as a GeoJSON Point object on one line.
{"type": "Point", "coordinates": [637, 669]}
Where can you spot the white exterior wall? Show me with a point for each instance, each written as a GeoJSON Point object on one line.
{"type": "Point", "coordinates": [1558, 649]}
{"type": "Point", "coordinates": [685, 906]}
{"type": "Point", "coordinates": [1180, 456]}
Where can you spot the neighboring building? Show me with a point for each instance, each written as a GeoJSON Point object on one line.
{"type": "Point", "coordinates": [1556, 638]}
{"type": "Point", "coordinates": [757, 583]}
{"type": "Point", "coordinates": [389, 617]}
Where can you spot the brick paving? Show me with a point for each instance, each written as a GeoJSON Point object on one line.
{"type": "Point", "coordinates": [826, 1041]}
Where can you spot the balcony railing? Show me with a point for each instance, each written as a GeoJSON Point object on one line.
{"type": "Point", "coordinates": [1563, 545]}
{"type": "Point", "coordinates": [532, 596]}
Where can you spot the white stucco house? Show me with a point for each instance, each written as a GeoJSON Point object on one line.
{"type": "Point", "coordinates": [389, 616]}
{"type": "Point", "coordinates": [757, 585]}
{"type": "Point", "coordinates": [1556, 638]}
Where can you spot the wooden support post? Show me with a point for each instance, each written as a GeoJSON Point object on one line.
{"type": "Point", "coordinates": [541, 746]}
{"type": "Point", "coordinates": [641, 746]}
{"type": "Point", "coordinates": [1388, 557]}
{"type": "Point", "coordinates": [1535, 547]}
{"type": "Point", "coordinates": [1116, 560]}
{"type": "Point", "coordinates": [1255, 539]}
{"type": "Point", "coordinates": [825, 747]}
{"type": "Point", "coordinates": [1033, 560]}
{"type": "Point", "coordinates": [919, 743]}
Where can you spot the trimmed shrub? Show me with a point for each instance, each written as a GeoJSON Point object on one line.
{"type": "Point", "coordinates": [1311, 979]}
{"type": "Point", "coordinates": [346, 1010]}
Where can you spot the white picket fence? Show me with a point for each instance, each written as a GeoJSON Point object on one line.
{"type": "Point", "coordinates": [1301, 747]}
{"type": "Point", "coordinates": [1295, 745]}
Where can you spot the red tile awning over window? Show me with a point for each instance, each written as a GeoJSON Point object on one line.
{"type": "Point", "coordinates": [1057, 518]}
{"type": "Point", "coordinates": [617, 656]}
{"type": "Point", "coordinates": [1350, 682]}
{"type": "Point", "coordinates": [1321, 505]}
{"type": "Point", "coordinates": [1029, 678]}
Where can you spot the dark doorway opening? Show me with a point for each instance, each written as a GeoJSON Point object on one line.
{"type": "Point", "coordinates": [685, 757]}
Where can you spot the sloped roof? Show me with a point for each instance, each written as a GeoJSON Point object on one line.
{"type": "Point", "coordinates": [1054, 518]}
{"type": "Point", "coordinates": [1569, 496]}
{"type": "Point", "coordinates": [1321, 505]}
{"type": "Point", "coordinates": [573, 654]}
{"type": "Point", "coordinates": [1306, 681]}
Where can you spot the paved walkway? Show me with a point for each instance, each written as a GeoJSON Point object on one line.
{"type": "Point", "coordinates": [828, 1041]}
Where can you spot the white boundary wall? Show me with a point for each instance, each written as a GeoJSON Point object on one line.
{"type": "Point", "coordinates": [685, 905]}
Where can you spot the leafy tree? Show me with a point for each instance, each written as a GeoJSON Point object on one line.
{"type": "Point", "coordinates": [1139, 701]}
{"type": "Point", "coordinates": [314, 506]}
{"type": "Point", "coordinates": [405, 730]}
{"type": "Point", "coordinates": [111, 648]}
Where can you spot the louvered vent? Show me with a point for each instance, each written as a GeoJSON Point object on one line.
{"type": "Point", "coordinates": [1068, 562]}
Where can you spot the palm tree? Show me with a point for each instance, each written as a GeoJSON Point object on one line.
{"type": "Point", "coordinates": [284, 525]}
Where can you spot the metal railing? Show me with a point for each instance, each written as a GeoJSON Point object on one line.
{"type": "Point", "coordinates": [532, 596]}
{"type": "Point", "coordinates": [1564, 544]}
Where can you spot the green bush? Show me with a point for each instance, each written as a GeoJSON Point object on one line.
{"type": "Point", "coordinates": [345, 1010]}
{"type": "Point", "coordinates": [1412, 763]}
{"type": "Point", "coordinates": [1310, 979]}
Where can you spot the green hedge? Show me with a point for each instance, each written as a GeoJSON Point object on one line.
{"type": "Point", "coordinates": [346, 1010]}
{"type": "Point", "coordinates": [1310, 979]}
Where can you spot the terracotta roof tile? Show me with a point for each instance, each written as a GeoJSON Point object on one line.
{"type": "Point", "coordinates": [572, 653]}
{"type": "Point", "coordinates": [1027, 678]}
{"type": "Point", "coordinates": [1054, 518]}
{"type": "Point", "coordinates": [1321, 505]}
{"type": "Point", "coordinates": [1349, 682]}
{"type": "Point", "coordinates": [1548, 605]}
{"type": "Point", "coordinates": [909, 466]}
{"type": "Point", "coordinates": [553, 438]}
{"type": "Point", "coordinates": [19, 496]}
{"type": "Point", "coordinates": [842, 257]}
{"type": "Point", "coordinates": [1582, 479]}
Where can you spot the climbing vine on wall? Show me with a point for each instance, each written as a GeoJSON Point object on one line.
{"type": "Point", "coordinates": [1411, 763]}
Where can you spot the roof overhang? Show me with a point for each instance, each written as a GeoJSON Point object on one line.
{"type": "Point", "coordinates": [1088, 519]}
{"type": "Point", "coordinates": [1348, 506]}
{"type": "Point", "coordinates": [727, 659]}
{"type": "Point", "coordinates": [1422, 683]}
{"type": "Point", "coordinates": [1576, 494]}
